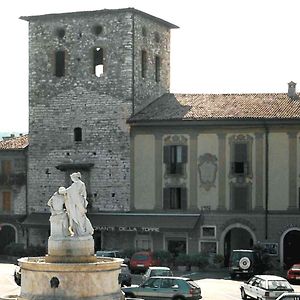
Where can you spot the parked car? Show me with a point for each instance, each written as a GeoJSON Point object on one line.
{"type": "Point", "coordinates": [293, 274]}
{"type": "Point", "coordinates": [17, 275]}
{"type": "Point", "coordinates": [289, 296]}
{"type": "Point", "coordinates": [265, 287]}
{"type": "Point", "coordinates": [157, 271]}
{"type": "Point", "coordinates": [141, 261]}
{"type": "Point", "coordinates": [245, 263]}
{"type": "Point", "coordinates": [108, 253]}
{"type": "Point", "coordinates": [165, 287]}
{"type": "Point", "coordinates": [124, 276]}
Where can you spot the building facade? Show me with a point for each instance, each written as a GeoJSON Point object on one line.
{"type": "Point", "coordinates": [234, 159]}
{"type": "Point", "coordinates": [177, 172]}
{"type": "Point", "coordinates": [13, 191]}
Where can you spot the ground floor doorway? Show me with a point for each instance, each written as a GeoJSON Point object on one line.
{"type": "Point", "coordinates": [7, 236]}
{"type": "Point", "coordinates": [236, 238]}
{"type": "Point", "coordinates": [291, 246]}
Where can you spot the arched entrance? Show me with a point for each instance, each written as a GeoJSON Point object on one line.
{"type": "Point", "coordinates": [236, 236]}
{"type": "Point", "coordinates": [291, 246]}
{"type": "Point", "coordinates": [7, 236]}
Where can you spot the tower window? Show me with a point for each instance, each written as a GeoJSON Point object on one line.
{"type": "Point", "coordinates": [157, 68]}
{"type": "Point", "coordinates": [98, 61]}
{"type": "Point", "coordinates": [144, 63]}
{"type": "Point", "coordinates": [144, 31]}
{"type": "Point", "coordinates": [60, 63]}
{"type": "Point", "coordinates": [77, 134]}
{"type": "Point", "coordinates": [156, 37]}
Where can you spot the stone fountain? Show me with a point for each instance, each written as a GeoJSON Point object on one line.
{"type": "Point", "coordinates": [70, 270]}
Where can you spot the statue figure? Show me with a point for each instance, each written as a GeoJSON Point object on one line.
{"type": "Point", "coordinates": [59, 218]}
{"type": "Point", "coordinates": [71, 221]}
{"type": "Point", "coordinates": [76, 203]}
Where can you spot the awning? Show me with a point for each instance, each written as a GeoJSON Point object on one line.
{"type": "Point", "coordinates": [106, 221]}
{"type": "Point", "coordinates": [13, 219]}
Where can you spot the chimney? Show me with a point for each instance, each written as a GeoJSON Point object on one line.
{"type": "Point", "coordinates": [292, 90]}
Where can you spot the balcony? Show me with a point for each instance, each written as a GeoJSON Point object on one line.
{"type": "Point", "coordinates": [13, 179]}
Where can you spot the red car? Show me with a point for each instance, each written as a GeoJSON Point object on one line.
{"type": "Point", "coordinates": [293, 274]}
{"type": "Point", "coordinates": [141, 261]}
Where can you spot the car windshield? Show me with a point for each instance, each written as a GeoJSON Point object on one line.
{"type": "Point", "coordinates": [278, 285]}
{"type": "Point", "coordinates": [140, 256]}
{"type": "Point", "coordinates": [238, 255]}
{"type": "Point", "coordinates": [160, 273]}
{"type": "Point", "coordinates": [193, 284]}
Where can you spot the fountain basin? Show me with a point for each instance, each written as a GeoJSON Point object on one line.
{"type": "Point", "coordinates": [43, 280]}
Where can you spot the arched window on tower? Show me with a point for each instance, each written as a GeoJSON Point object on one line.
{"type": "Point", "coordinates": [98, 61]}
{"type": "Point", "coordinates": [157, 68]}
{"type": "Point", "coordinates": [77, 134]}
{"type": "Point", "coordinates": [60, 63]}
{"type": "Point", "coordinates": [144, 63]}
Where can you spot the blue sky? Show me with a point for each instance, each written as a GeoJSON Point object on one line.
{"type": "Point", "coordinates": [222, 46]}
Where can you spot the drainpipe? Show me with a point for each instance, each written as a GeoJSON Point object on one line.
{"type": "Point", "coordinates": [267, 183]}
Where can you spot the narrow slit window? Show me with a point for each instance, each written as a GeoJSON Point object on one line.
{"type": "Point", "coordinates": [60, 63]}
{"type": "Point", "coordinates": [77, 134]}
{"type": "Point", "coordinates": [98, 61]}
{"type": "Point", "coordinates": [157, 68]}
{"type": "Point", "coordinates": [144, 63]}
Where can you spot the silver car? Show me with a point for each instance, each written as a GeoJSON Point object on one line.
{"type": "Point", "coordinates": [157, 271]}
{"type": "Point", "coordinates": [289, 296]}
{"type": "Point", "coordinates": [163, 287]}
{"type": "Point", "coordinates": [265, 287]}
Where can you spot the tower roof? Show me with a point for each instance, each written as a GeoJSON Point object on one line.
{"type": "Point", "coordinates": [98, 12]}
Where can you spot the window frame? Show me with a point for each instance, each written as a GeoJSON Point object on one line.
{"type": "Point", "coordinates": [175, 159]}
{"type": "Point", "coordinates": [202, 235]}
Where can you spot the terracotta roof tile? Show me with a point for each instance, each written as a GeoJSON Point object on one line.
{"type": "Point", "coordinates": [14, 143]}
{"type": "Point", "coordinates": [220, 106]}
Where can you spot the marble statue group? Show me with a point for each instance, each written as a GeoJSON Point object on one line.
{"type": "Point", "coordinates": [68, 210]}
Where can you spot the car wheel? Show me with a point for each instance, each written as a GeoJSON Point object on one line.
{"type": "Point", "coordinates": [244, 263]}
{"type": "Point", "coordinates": [178, 298]}
{"type": "Point", "coordinates": [243, 294]}
{"type": "Point", "coordinates": [129, 295]}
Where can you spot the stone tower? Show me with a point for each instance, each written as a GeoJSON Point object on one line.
{"type": "Point", "coordinates": [88, 73]}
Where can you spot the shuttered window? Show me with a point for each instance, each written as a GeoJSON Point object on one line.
{"type": "Point", "coordinates": [6, 202]}
{"type": "Point", "coordinates": [175, 198]}
{"type": "Point", "coordinates": [239, 164]}
{"type": "Point", "coordinates": [174, 158]}
{"type": "Point", "coordinates": [6, 167]}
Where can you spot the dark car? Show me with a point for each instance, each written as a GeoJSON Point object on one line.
{"type": "Point", "coordinates": [245, 263]}
{"type": "Point", "coordinates": [141, 261]}
{"type": "Point", "coordinates": [293, 273]}
{"type": "Point", "coordinates": [165, 287]}
{"type": "Point", "coordinates": [124, 276]}
{"type": "Point", "coordinates": [17, 275]}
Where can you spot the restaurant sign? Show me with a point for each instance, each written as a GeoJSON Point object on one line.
{"type": "Point", "coordinates": [127, 228]}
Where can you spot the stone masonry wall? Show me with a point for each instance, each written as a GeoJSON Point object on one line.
{"type": "Point", "coordinates": [98, 105]}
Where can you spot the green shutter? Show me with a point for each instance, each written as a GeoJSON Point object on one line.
{"type": "Point", "coordinates": [184, 154]}
{"type": "Point", "coordinates": [183, 198]}
{"type": "Point", "coordinates": [166, 198]}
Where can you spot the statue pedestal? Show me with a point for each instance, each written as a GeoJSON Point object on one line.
{"type": "Point", "coordinates": [71, 249]}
